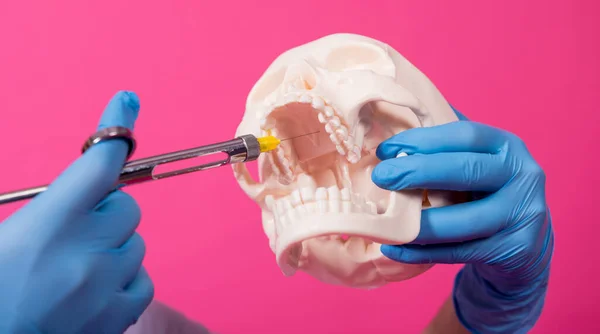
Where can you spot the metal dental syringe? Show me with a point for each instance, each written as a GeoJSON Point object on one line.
{"type": "Point", "coordinates": [241, 149]}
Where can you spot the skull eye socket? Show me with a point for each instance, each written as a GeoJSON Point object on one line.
{"type": "Point", "coordinates": [353, 57]}
{"type": "Point", "coordinates": [267, 85]}
{"type": "Point", "coordinates": [383, 120]}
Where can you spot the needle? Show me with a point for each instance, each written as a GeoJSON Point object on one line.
{"type": "Point", "coordinates": [269, 143]}
{"type": "Point", "coordinates": [306, 134]}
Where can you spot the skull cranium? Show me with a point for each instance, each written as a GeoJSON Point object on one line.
{"type": "Point", "coordinates": [338, 97]}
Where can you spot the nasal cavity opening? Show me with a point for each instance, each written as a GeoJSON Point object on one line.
{"type": "Point", "coordinates": [301, 76]}
{"type": "Point", "coordinates": [299, 128]}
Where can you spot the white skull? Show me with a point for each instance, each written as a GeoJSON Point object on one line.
{"type": "Point", "coordinates": [320, 209]}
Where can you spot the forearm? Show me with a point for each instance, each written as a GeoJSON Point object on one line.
{"type": "Point", "coordinates": [161, 319]}
{"type": "Point", "coordinates": [446, 321]}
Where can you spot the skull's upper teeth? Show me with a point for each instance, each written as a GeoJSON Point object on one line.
{"type": "Point", "coordinates": [318, 103]}
{"type": "Point", "coordinates": [334, 139]}
{"type": "Point", "coordinates": [281, 165]}
{"type": "Point", "coordinates": [305, 99]}
{"type": "Point", "coordinates": [326, 114]}
{"type": "Point", "coordinates": [328, 111]}
{"type": "Point", "coordinates": [321, 118]}
{"type": "Point", "coordinates": [335, 122]}
{"type": "Point", "coordinates": [342, 132]}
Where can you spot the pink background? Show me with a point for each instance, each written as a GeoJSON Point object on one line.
{"type": "Point", "coordinates": [527, 66]}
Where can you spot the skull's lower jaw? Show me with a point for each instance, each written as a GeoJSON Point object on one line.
{"type": "Point", "coordinates": [354, 237]}
{"type": "Point", "coordinates": [352, 264]}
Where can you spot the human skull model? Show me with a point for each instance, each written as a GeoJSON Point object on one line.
{"type": "Point", "coordinates": [338, 97]}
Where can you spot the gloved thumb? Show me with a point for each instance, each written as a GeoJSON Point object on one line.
{"type": "Point", "coordinates": [92, 176]}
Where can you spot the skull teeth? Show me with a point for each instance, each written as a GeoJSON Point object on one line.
{"type": "Point", "coordinates": [280, 163]}
{"type": "Point", "coordinates": [326, 114]}
{"type": "Point", "coordinates": [321, 200]}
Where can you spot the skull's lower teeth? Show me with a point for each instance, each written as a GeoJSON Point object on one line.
{"type": "Point", "coordinates": [319, 200]}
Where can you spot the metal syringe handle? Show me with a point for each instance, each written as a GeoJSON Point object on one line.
{"type": "Point", "coordinates": [241, 149]}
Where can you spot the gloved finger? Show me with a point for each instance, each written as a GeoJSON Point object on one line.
{"type": "Point", "coordinates": [451, 137]}
{"type": "Point", "coordinates": [119, 215]}
{"type": "Point", "coordinates": [137, 296]}
{"type": "Point", "coordinates": [96, 172]}
{"type": "Point", "coordinates": [131, 255]}
{"type": "Point", "coordinates": [464, 221]}
{"type": "Point", "coordinates": [128, 305]}
{"type": "Point", "coordinates": [443, 171]}
{"type": "Point", "coordinates": [438, 254]}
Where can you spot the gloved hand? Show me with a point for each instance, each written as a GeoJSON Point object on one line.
{"type": "Point", "coordinates": [70, 260]}
{"type": "Point", "coordinates": [504, 236]}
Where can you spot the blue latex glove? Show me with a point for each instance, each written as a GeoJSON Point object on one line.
{"type": "Point", "coordinates": [504, 236]}
{"type": "Point", "coordinates": [70, 260]}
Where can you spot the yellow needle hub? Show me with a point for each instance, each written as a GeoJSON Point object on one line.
{"type": "Point", "coordinates": [268, 143]}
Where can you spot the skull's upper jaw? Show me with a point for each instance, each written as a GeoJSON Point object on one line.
{"type": "Point", "coordinates": [312, 128]}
